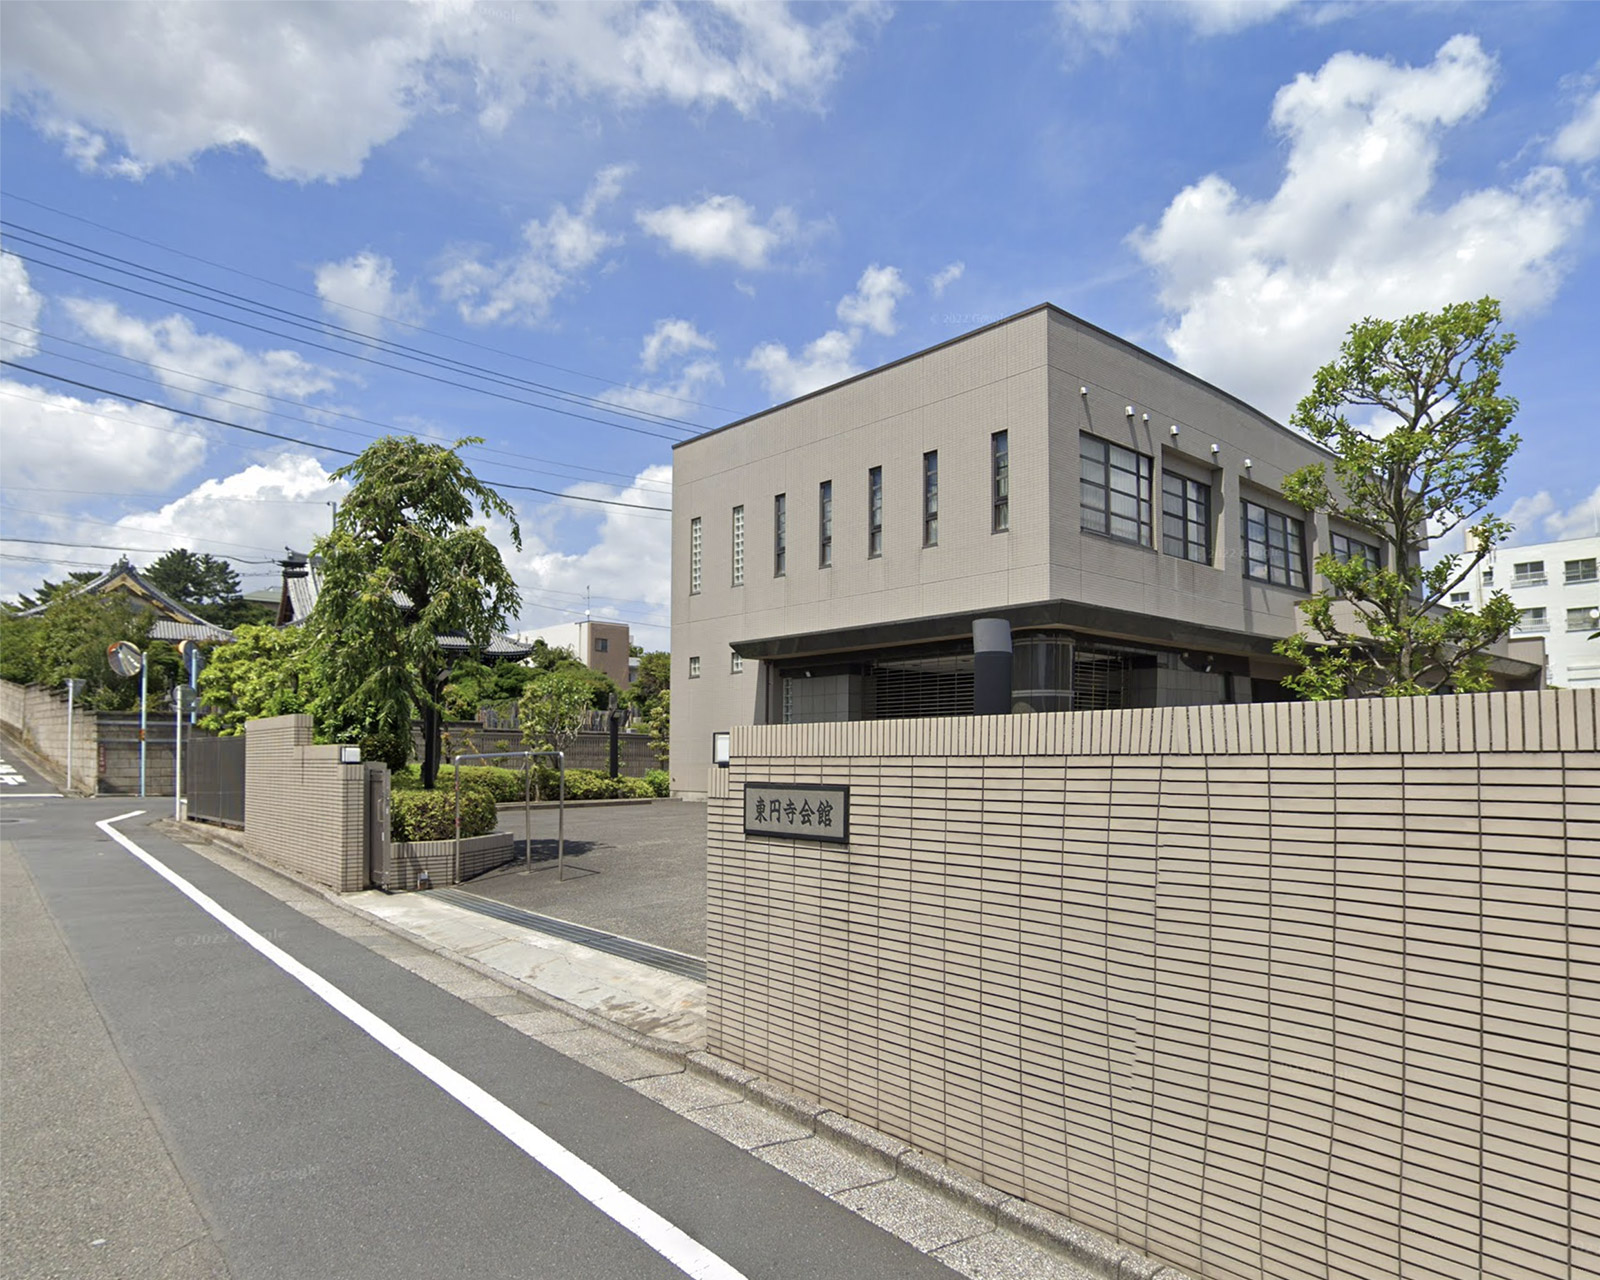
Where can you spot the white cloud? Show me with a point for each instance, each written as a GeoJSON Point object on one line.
{"type": "Point", "coordinates": [156, 84]}
{"type": "Point", "coordinates": [194, 364]}
{"type": "Point", "coordinates": [829, 359]}
{"type": "Point", "coordinates": [669, 343]}
{"type": "Point", "coordinates": [1263, 291]}
{"type": "Point", "coordinates": [60, 442]}
{"type": "Point", "coordinates": [360, 294]}
{"type": "Point", "coordinates": [1538, 518]}
{"type": "Point", "coordinates": [520, 288]}
{"type": "Point", "coordinates": [20, 305]}
{"type": "Point", "coordinates": [627, 563]}
{"type": "Point", "coordinates": [872, 305]}
{"type": "Point", "coordinates": [271, 505]}
{"type": "Point", "coordinates": [942, 279]}
{"type": "Point", "coordinates": [1579, 141]}
{"type": "Point", "coordinates": [720, 228]}
{"type": "Point", "coordinates": [672, 338]}
{"type": "Point", "coordinates": [832, 357]}
{"type": "Point", "coordinates": [1099, 26]}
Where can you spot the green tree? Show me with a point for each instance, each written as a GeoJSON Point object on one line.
{"type": "Point", "coordinates": [47, 591]}
{"type": "Point", "coordinates": [1432, 462]}
{"type": "Point", "coordinates": [70, 639]}
{"type": "Point", "coordinates": [264, 672]}
{"type": "Point", "coordinates": [402, 567]}
{"type": "Point", "coordinates": [655, 675]}
{"type": "Point", "coordinates": [552, 708]}
{"type": "Point", "coordinates": [658, 723]}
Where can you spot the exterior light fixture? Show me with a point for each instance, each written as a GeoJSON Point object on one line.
{"type": "Point", "coordinates": [1083, 391]}
{"type": "Point", "coordinates": [1216, 449]}
{"type": "Point", "coordinates": [1147, 417]}
{"type": "Point", "coordinates": [1173, 429]}
{"type": "Point", "coordinates": [1248, 464]}
{"type": "Point", "coordinates": [720, 743]}
{"type": "Point", "coordinates": [1128, 409]}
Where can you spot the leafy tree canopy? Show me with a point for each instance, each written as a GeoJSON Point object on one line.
{"type": "Point", "coordinates": [655, 675]}
{"type": "Point", "coordinates": [1429, 460]}
{"type": "Point", "coordinates": [403, 566]}
{"type": "Point", "coordinates": [70, 639]}
{"type": "Point", "coordinates": [207, 584]}
{"type": "Point", "coordinates": [47, 591]}
{"type": "Point", "coordinates": [264, 672]}
{"type": "Point", "coordinates": [552, 708]}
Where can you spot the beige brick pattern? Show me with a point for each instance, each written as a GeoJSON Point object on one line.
{"type": "Point", "coordinates": [1284, 990]}
{"type": "Point", "coordinates": [38, 717]}
{"type": "Point", "coordinates": [303, 809]}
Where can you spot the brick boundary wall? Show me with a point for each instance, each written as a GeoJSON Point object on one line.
{"type": "Point", "coordinates": [303, 810]}
{"type": "Point", "coordinates": [38, 717]}
{"type": "Point", "coordinates": [1284, 990]}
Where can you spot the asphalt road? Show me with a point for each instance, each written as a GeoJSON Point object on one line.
{"type": "Point", "coordinates": [178, 1104]}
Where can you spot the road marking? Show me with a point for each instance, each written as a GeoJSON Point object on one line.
{"type": "Point", "coordinates": [673, 1244]}
{"type": "Point", "coordinates": [33, 795]}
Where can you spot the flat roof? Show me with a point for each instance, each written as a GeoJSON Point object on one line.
{"type": "Point", "coordinates": [1050, 308]}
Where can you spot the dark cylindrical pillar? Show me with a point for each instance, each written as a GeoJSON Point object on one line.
{"type": "Point", "coordinates": [613, 718]}
{"type": "Point", "coordinates": [991, 667]}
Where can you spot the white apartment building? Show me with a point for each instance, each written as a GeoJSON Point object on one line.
{"type": "Point", "coordinates": [1557, 587]}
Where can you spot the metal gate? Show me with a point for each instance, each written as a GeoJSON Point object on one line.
{"type": "Point", "coordinates": [380, 863]}
{"type": "Point", "coordinates": [213, 779]}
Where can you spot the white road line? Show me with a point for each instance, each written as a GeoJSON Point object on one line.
{"type": "Point", "coordinates": [30, 795]}
{"type": "Point", "coordinates": [676, 1246]}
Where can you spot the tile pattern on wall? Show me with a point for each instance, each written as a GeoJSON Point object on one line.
{"type": "Point", "coordinates": [1285, 990]}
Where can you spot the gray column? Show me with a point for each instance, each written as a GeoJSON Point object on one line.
{"type": "Point", "coordinates": [991, 666]}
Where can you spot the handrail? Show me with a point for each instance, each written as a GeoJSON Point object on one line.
{"type": "Point", "coordinates": [527, 792]}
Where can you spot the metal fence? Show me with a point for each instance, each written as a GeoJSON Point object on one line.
{"type": "Point", "coordinates": [213, 779]}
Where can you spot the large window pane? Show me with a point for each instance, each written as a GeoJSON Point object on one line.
{"type": "Point", "coordinates": [1115, 491]}
{"type": "Point", "coordinates": [1274, 547]}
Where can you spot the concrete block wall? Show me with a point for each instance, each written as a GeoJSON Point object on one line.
{"type": "Point", "coordinates": [303, 809]}
{"type": "Point", "coordinates": [1284, 990]}
{"type": "Point", "coordinates": [38, 716]}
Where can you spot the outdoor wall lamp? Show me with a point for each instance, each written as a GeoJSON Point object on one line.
{"type": "Point", "coordinates": [1173, 430]}
{"type": "Point", "coordinates": [1128, 410]}
{"type": "Point", "coordinates": [1248, 464]}
{"type": "Point", "coordinates": [1216, 449]}
{"type": "Point", "coordinates": [1083, 391]}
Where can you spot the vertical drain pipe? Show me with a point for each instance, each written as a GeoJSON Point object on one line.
{"type": "Point", "coordinates": [991, 667]}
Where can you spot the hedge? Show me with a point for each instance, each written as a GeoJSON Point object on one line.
{"type": "Point", "coordinates": [660, 782]}
{"type": "Point", "coordinates": [431, 815]}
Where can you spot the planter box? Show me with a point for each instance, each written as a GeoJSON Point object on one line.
{"type": "Point", "coordinates": [478, 854]}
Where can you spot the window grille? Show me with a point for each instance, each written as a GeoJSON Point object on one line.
{"type": "Point", "coordinates": [825, 524]}
{"type": "Point", "coordinates": [780, 534]}
{"type": "Point", "coordinates": [694, 556]}
{"type": "Point", "coordinates": [1530, 573]}
{"type": "Point", "coordinates": [1096, 681]}
{"type": "Point", "coordinates": [1115, 490]}
{"type": "Point", "coordinates": [1534, 620]}
{"type": "Point", "coordinates": [1000, 455]}
{"type": "Point", "coordinates": [1274, 547]}
{"type": "Point", "coordinates": [930, 499]}
{"type": "Point", "coordinates": [921, 688]}
{"type": "Point", "coordinates": [874, 512]}
{"type": "Point", "coordinates": [1185, 518]}
{"type": "Point", "coordinates": [738, 546]}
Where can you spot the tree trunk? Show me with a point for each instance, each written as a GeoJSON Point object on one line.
{"type": "Point", "coordinates": [430, 743]}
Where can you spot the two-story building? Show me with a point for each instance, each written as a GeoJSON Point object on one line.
{"type": "Point", "coordinates": [830, 555]}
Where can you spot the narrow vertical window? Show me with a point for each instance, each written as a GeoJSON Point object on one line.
{"type": "Point", "coordinates": [694, 556]}
{"type": "Point", "coordinates": [1185, 518]}
{"type": "Point", "coordinates": [736, 665]}
{"type": "Point", "coordinates": [930, 499]}
{"type": "Point", "coordinates": [874, 513]}
{"type": "Point", "coordinates": [694, 668]}
{"type": "Point", "coordinates": [780, 534]}
{"type": "Point", "coordinates": [1000, 469]}
{"type": "Point", "coordinates": [825, 524]}
{"type": "Point", "coordinates": [738, 546]}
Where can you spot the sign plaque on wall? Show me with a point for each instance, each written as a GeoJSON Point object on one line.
{"type": "Point", "coordinates": [799, 810]}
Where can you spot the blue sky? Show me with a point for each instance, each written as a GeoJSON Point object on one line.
{"type": "Point", "coordinates": [661, 217]}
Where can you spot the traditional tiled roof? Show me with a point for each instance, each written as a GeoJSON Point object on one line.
{"type": "Point", "coordinates": [174, 620]}
{"type": "Point", "coordinates": [302, 583]}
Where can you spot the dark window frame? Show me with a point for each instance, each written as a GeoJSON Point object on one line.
{"type": "Point", "coordinates": [1192, 496]}
{"type": "Point", "coordinates": [780, 534]}
{"type": "Point", "coordinates": [1097, 497]}
{"type": "Point", "coordinates": [1290, 541]}
{"type": "Point", "coordinates": [825, 525]}
{"type": "Point", "coordinates": [1000, 482]}
{"type": "Point", "coordinates": [1342, 544]}
{"type": "Point", "coordinates": [930, 498]}
{"type": "Point", "coordinates": [874, 513]}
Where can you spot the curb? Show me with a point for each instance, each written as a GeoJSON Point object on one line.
{"type": "Point", "coordinates": [1085, 1248]}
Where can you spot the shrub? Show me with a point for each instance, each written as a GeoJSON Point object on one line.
{"type": "Point", "coordinates": [634, 789]}
{"type": "Point", "coordinates": [431, 815]}
{"type": "Point", "coordinates": [589, 784]}
{"type": "Point", "coordinates": [660, 782]}
{"type": "Point", "coordinates": [504, 784]}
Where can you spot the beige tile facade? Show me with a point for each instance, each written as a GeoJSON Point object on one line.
{"type": "Point", "coordinates": [1285, 990]}
{"type": "Point", "coordinates": [1048, 380]}
{"type": "Point", "coordinates": [303, 810]}
{"type": "Point", "coordinates": [38, 717]}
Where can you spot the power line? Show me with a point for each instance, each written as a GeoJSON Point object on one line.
{"type": "Point", "coordinates": [276, 435]}
{"type": "Point", "coordinates": [349, 355]}
{"type": "Point", "coordinates": [306, 293]}
{"type": "Point", "coordinates": [102, 546]}
{"type": "Point", "coordinates": [281, 316]}
{"type": "Point", "coordinates": [273, 413]}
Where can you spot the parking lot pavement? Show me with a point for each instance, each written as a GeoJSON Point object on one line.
{"type": "Point", "coordinates": [638, 870]}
